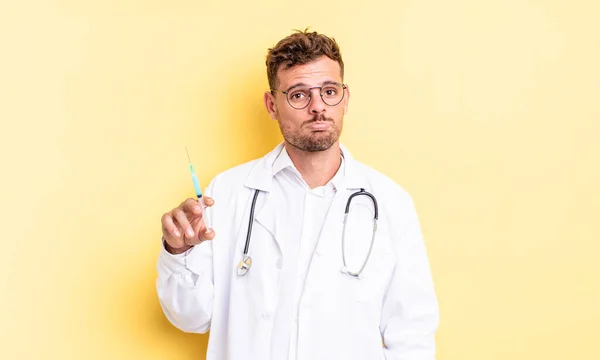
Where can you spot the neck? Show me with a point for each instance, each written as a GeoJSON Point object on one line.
{"type": "Point", "coordinates": [317, 168]}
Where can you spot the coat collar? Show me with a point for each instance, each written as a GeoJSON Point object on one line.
{"type": "Point", "coordinates": [261, 175]}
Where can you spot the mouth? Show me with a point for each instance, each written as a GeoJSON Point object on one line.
{"type": "Point", "coordinates": [319, 125]}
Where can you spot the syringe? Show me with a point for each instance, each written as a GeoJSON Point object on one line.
{"type": "Point", "coordinates": [197, 189]}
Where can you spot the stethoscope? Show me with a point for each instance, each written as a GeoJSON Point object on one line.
{"type": "Point", "coordinates": [246, 262]}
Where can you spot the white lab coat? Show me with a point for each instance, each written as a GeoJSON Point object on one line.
{"type": "Point", "coordinates": [340, 317]}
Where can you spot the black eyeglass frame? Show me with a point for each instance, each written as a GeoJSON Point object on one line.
{"type": "Point", "coordinates": [286, 92]}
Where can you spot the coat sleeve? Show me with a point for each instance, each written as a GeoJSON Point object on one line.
{"type": "Point", "coordinates": [410, 315]}
{"type": "Point", "coordinates": [185, 284]}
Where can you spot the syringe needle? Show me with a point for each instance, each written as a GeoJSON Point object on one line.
{"type": "Point", "coordinates": [188, 155]}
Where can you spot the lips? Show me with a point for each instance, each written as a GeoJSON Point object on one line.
{"type": "Point", "coordinates": [319, 125]}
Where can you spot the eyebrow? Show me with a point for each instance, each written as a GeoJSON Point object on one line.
{"type": "Point", "coordinates": [326, 82]}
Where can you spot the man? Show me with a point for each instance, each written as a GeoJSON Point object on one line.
{"type": "Point", "coordinates": [279, 272]}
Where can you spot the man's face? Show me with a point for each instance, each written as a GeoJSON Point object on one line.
{"type": "Point", "coordinates": [318, 126]}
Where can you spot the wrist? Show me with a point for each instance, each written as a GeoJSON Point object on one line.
{"type": "Point", "coordinates": [175, 251]}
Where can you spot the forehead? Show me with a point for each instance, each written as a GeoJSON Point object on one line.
{"type": "Point", "coordinates": [312, 73]}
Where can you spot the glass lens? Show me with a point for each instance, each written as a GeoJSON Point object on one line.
{"type": "Point", "coordinates": [299, 97]}
{"type": "Point", "coordinates": [332, 94]}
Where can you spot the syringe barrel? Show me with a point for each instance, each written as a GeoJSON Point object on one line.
{"type": "Point", "coordinates": [196, 183]}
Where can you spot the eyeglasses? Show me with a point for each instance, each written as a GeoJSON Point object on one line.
{"type": "Point", "coordinates": [299, 97]}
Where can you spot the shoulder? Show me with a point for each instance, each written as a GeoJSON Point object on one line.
{"type": "Point", "coordinates": [383, 184]}
{"type": "Point", "coordinates": [396, 204]}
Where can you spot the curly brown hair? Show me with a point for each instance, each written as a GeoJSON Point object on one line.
{"type": "Point", "coordinates": [300, 48]}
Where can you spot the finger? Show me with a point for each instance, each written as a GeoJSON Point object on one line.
{"type": "Point", "coordinates": [171, 232]}
{"type": "Point", "coordinates": [192, 208]}
{"type": "Point", "coordinates": [199, 228]}
{"type": "Point", "coordinates": [202, 230]}
{"type": "Point", "coordinates": [209, 201]}
{"type": "Point", "coordinates": [183, 222]}
{"type": "Point", "coordinates": [192, 241]}
{"type": "Point", "coordinates": [169, 227]}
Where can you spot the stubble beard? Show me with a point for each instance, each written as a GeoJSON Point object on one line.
{"type": "Point", "coordinates": [312, 141]}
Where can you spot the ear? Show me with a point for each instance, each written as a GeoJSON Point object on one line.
{"type": "Point", "coordinates": [271, 105]}
{"type": "Point", "coordinates": [347, 99]}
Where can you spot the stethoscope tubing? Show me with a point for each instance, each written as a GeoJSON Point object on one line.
{"type": "Point", "coordinates": [246, 261]}
{"type": "Point", "coordinates": [363, 192]}
{"type": "Point", "coordinates": [250, 222]}
{"type": "Point", "coordinates": [375, 218]}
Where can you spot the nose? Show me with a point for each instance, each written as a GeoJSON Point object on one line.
{"type": "Point", "coordinates": [316, 105]}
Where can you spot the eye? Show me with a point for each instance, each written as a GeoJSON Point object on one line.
{"type": "Point", "coordinates": [330, 91]}
{"type": "Point", "coordinates": [297, 95]}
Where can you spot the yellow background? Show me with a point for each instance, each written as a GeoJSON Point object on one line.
{"type": "Point", "coordinates": [487, 112]}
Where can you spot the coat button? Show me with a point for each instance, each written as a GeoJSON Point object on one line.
{"type": "Point", "coordinates": [279, 264]}
{"type": "Point", "coordinates": [266, 315]}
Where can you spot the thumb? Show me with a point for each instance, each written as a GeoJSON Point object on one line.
{"type": "Point", "coordinates": [209, 234]}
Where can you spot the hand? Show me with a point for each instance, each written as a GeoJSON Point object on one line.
{"type": "Point", "coordinates": [184, 227]}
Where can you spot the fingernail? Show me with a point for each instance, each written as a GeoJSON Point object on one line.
{"type": "Point", "coordinates": [176, 232]}
{"type": "Point", "coordinates": [208, 231]}
{"type": "Point", "coordinates": [197, 209]}
{"type": "Point", "coordinates": [190, 232]}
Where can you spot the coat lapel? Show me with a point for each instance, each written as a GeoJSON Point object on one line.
{"type": "Point", "coordinates": [261, 178]}
{"type": "Point", "coordinates": [266, 216]}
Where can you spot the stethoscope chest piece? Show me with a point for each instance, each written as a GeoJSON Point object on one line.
{"type": "Point", "coordinates": [244, 265]}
